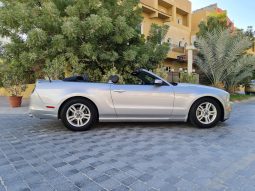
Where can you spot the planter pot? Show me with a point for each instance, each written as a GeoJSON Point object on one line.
{"type": "Point", "coordinates": [15, 101]}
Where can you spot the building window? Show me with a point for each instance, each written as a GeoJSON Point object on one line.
{"type": "Point", "coordinates": [179, 21]}
{"type": "Point", "coordinates": [168, 69]}
{"type": "Point", "coordinates": [169, 41]}
{"type": "Point", "coordinates": [140, 28]}
{"type": "Point", "coordinates": [180, 43]}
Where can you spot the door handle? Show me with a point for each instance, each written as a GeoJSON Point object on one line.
{"type": "Point", "coordinates": [119, 91]}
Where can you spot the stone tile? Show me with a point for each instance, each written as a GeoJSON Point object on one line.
{"type": "Point", "coordinates": [101, 178]}
{"type": "Point", "coordinates": [145, 177]}
{"type": "Point", "coordinates": [128, 181]}
{"type": "Point", "coordinates": [43, 155]}
{"type": "Point", "coordinates": [121, 188]}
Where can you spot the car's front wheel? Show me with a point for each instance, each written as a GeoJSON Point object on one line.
{"type": "Point", "coordinates": [205, 113]}
{"type": "Point", "coordinates": [79, 114]}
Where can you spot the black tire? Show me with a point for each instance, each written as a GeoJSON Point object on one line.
{"type": "Point", "coordinates": [194, 119]}
{"type": "Point", "coordinates": [93, 114]}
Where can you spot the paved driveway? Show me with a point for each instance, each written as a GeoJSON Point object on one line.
{"type": "Point", "coordinates": [43, 155]}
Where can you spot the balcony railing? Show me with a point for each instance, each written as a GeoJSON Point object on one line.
{"type": "Point", "coordinates": [177, 48]}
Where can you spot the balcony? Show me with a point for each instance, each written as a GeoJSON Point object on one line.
{"type": "Point", "coordinates": [177, 48]}
{"type": "Point", "coordinates": [149, 10]}
{"type": "Point", "coordinates": [165, 7]}
{"type": "Point", "coordinates": [162, 11]}
{"type": "Point", "coordinates": [149, 3]}
{"type": "Point", "coordinates": [182, 17]}
{"type": "Point", "coordinates": [166, 17]}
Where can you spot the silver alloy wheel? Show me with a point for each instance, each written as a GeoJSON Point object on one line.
{"type": "Point", "coordinates": [78, 115]}
{"type": "Point", "coordinates": [206, 113]}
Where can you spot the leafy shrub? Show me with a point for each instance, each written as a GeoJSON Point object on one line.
{"type": "Point", "coordinates": [161, 72]}
{"type": "Point", "coordinates": [14, 82]}
{"type": "Point", "coordinates": [112, 71]}
{"type": "Point", "coordinates": [189, 78]}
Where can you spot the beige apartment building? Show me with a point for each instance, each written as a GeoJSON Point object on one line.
{"type": "Point", "coordinates": [176, 14]}
{"type": "Point", "coordinates": [184, 25]}
{"type": "Point", "coordinates": [202, 14]}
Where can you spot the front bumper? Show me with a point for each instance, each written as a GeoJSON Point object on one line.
{"type": "Point", "coordinates": [228, 110]}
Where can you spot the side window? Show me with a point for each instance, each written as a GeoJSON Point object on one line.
{"type": "Point", "coordinates": [146, 78]}
{"type": "Point", "coordinates": [141, 78]}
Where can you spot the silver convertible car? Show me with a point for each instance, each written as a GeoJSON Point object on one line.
{"type": "Point", "coordinates": [149, 98]}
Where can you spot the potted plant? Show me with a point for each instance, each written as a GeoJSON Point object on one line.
{"type": "Point", "coordinates": [13, 81]}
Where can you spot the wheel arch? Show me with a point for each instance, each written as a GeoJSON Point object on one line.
{"type": "Point", "coordinates": [75, 97]}
{"type": "Point", "coordinates": [215, 99]}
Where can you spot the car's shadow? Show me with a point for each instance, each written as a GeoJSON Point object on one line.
{"type": "Point", "coordinates": [54, 125]}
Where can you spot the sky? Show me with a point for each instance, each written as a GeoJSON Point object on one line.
{"type": "Point", "coordinates": [241, 12]}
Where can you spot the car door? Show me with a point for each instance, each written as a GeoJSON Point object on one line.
{"type": "Point", "coordinates": [143, 101]}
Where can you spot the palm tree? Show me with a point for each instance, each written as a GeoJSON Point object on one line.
{"type": "Point", "coordinates": [243, 70]}
{"type": "Point", "coordinates": [222, 57]}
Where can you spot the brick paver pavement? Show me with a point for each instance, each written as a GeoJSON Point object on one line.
{"type": "Point", "coordinates": [42, 155]}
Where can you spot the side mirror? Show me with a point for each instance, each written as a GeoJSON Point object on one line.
{"type": "Point", "coordinates": [158, 82]}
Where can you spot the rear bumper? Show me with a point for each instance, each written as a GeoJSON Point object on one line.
{"type": "Point", "coordinates": [42, 114]}
{"type": "Point", "coordinates": [39, 110]}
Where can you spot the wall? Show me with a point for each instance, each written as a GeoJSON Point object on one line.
{"type": "Point", "coordinates": [177, 32]}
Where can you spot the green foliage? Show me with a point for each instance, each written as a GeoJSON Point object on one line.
{"type": "Point", "coordinates": [250, 32]}
{"type": "Point", "coordinates": [83, 36]}
{"type": "Point", "coordinates": [112, 71]}
{"type": "Point", "coordinates": [1, 73]}
{"type": "Point", "coordinates": [161, 72]}
{"type": "Point", "coordinates": [242, 74]}
{"type": "Point", "coordinates": [214, 22]}
{"type": "Point", "coordinates": [1, 50]}
{"type": "Point", "coordinates": [55, 69]}
{"type": "Point", "coordinates": [222, 57]}
{"type": "Point", "coordinates": [189, 78]}
{"type": "Point", "coordinates": [13, 81]}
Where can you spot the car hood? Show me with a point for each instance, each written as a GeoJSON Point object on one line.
{"type": "Point", "coordinates": [205, 88]}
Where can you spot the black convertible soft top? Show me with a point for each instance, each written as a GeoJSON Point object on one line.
{"type": "Point", "coordinates": [77, 79]}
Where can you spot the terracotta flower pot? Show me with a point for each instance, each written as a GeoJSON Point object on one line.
{"type": "Point", "coordinates": [15, 101]}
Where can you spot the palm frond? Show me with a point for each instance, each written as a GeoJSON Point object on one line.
{"type": "Point", "coordinates": [222, 56]}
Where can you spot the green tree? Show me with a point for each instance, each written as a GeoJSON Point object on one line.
{"type": "Point", "coordinates": [250, 32]}
{"type": "Point", "coordinates": [1, 49]}
{"type": "Point", "coordinates": [81, 35]}
{"type": "Point", "coordinates": [214, 22]}
{"type": "Point", "coordinates": [222, 57]}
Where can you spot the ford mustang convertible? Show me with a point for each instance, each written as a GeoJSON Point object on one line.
{"type": "Point", "coordinates": [80, 103]}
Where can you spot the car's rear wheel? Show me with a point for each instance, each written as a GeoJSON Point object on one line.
{"type": "Point", "coordinates": [79, 114]}
{"type": "Point", "coordinates": [205, 113]}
